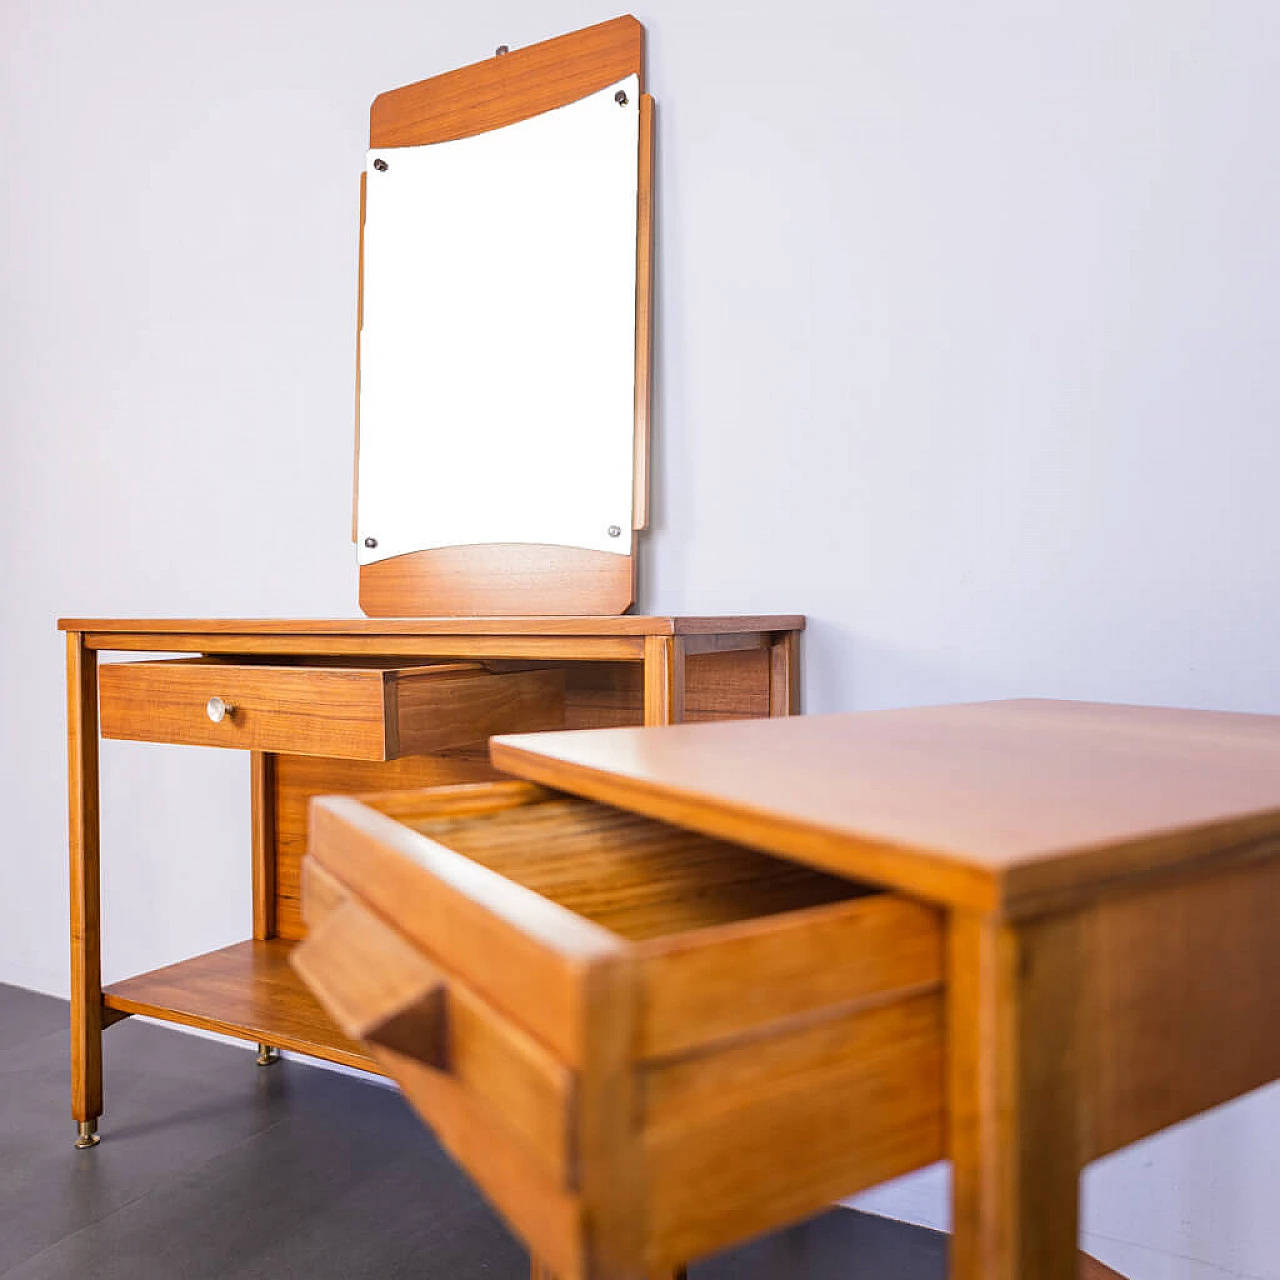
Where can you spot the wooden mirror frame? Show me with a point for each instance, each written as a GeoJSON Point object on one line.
{"type": "Point", "coordinates": [505, 579]}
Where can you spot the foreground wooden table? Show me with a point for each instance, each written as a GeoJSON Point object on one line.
{"type": "Point", "coordinates": [1111, 877]}
{"type": "Point", "coordinates": [1062, 938]}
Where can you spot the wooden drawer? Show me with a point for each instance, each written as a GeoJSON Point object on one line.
{"type": "Point", "coordinates": [642, 1043]}
{"type": "Point", "coordinates": [347, 711]}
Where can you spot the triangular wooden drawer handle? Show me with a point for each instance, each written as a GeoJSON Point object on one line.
{"type": "Point", "coordinates": [375, 985]}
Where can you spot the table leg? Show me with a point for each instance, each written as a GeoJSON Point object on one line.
{"type": "Point", "coordinates": [664, 673]}
{"type": "Point", "coordinates": [1015, 1026]}
{"type": "Point", "coordinates": [784, 674]}
{"type": "Point", "coordinates": [86, 962]}
{"type": "Point", "coordinates": [262, 799]}
{"type": "Point", "coordinates": [664, 659]}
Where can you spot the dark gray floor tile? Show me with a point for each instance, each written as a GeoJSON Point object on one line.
{"type": "Point", "coordinates": [346, 1185]}
{"type": "Point", "coordinates": [840, 1245]}
{"type": "Point", "coordinates": [161, 1121]}
{"type": "Point", "coordinates": [27, 1015]}
{"type": "Point", "coordinates": [212, 1167]}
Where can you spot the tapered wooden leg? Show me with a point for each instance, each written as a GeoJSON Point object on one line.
{"type": "Point", "coordinates": [86, 963]}
{"type": "Point", "coordinates": [1016, 1030]}
{"type": "Point", "coordinates": [664, 665]}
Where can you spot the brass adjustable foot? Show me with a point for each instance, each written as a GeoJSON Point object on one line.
{"type": "Point", "coordinates": [87, 1134]}
{"type": "Point", "coordinates": [268, 1055]}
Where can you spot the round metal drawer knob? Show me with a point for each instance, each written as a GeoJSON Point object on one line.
{"type": "Point", "coordinates": [218, 710]}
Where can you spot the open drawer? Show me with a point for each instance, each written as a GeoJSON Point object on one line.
{"type": "Point", "coordinates": [642, 1043]}
{"type": "Point", "coordinates": [342, 710]}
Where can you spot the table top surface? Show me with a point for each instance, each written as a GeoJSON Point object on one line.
{"type": "Point", "coordinates": [1013, 807]}
{"type": "Point", "coordinates": [612, 625]}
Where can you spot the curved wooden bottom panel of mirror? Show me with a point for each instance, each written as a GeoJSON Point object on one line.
{"type": "Point", "coordinates": [498, 579]}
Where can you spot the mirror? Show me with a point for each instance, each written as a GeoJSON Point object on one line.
{"type": "Point", "coordinates": [498, 352]}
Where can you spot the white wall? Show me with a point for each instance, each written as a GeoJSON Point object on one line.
{"type": "Point", "coordinates": [967, 325]}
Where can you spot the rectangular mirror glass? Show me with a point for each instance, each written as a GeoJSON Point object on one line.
{"type": "Point", "coordinates": [498, 349]}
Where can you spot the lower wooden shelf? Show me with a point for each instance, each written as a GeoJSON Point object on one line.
{"type": "Point", "coordinates": [247, 990]}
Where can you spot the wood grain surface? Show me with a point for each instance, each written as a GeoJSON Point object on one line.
{"type": "Point", "coordinates": [498, 578]}
{"type": "Point", "coordinates": [706, 999]}
{"type": "Point", "coordinates": [637, 878]}
{"type": "Point", "coordinates": [542, 625]}
{"type": "Point", "coordinates": [718, 685]}
{"type": "Point", "coordinates": [508, 88]}
{"type": "Point", "coordinates": [296, 779]}
{"type": "Point", "coordinates": [85, 881]}
{"type": "Point", "coordinates": [373, 712]}
{"type": "Point", "coordinates": [1183, 994]}
{"type": "Point", "coordinates": [664, 679]}
{"type": "Point", "coordinates": [1017, 807]}
{"type": "Point", "coordinates": [262, 810]}
{"type": "Point", "coordinates": [849, 1107]}
{"type": "Point", "coordinates": [247, 990]}
{"type": "Point", "coordinates": [734, 981]}
{"type": "Point", "coordinates": [320, 710]}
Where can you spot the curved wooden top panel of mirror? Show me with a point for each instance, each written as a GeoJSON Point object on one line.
{"type": "Point", "coordinates": [503, 370]}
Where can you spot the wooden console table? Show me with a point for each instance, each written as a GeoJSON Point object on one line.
{"type": "Point", "coordinates": [345, 706]}
{"type": "Point", "coordinates": [1020, 935]}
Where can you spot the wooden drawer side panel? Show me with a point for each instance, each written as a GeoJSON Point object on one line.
{"type": "Point", "coordinates": [724, 983]}
{"type": "Point", "coordinates": [751, 1140]}
{"type": "Point", "coordinates": [463, 707]}
{"type": "Point", "coordinates": [1173, 975]}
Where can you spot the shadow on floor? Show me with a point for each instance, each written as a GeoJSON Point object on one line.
{"type": "Point", "coordinates": [213, 1167]}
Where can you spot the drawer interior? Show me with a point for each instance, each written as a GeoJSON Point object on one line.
{"type": "Point", "coordinates": [636, 877]}
{"type": "Point", "coordinates": [699, 1007]}
{"type": "Point", "coordinates": [677, 1008]}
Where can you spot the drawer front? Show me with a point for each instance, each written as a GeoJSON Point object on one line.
{"type": "Point", "coordinates": [347, 712]}
{"type": "Point", "coordinates": [713, 1007]}
{"type": "Point", "coordinates": [384, 992]}
{"type": "Point", "coordinates": [499, 1100]}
